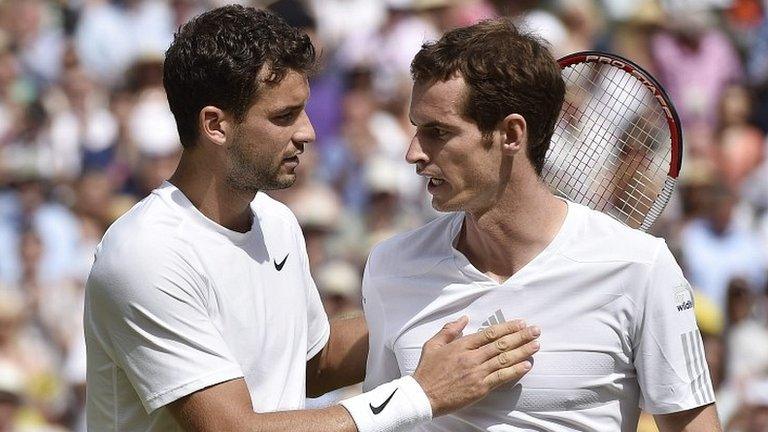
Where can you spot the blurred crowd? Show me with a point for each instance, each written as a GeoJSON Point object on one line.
{"type": "Point", "coordinates": [85, 132]}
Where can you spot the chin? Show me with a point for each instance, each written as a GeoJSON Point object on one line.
{"type": "Point", "coordinates": [455, 202]}
{"type": "Point", "coordinates": [443, 206]}
{"type": "Point", "coordinates": [280, 182]}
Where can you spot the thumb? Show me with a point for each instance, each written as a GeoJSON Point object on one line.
{"type": "Point", "coordinates": [450, 331]}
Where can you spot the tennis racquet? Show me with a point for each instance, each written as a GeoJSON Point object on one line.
{"type": "Point", "coordinates": [617, 146]}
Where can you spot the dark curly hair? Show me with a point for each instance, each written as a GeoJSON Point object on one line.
{"type": "Point", "coordinates": [215, 59]}
{"type": "Point", "coordinates": [506, 72]}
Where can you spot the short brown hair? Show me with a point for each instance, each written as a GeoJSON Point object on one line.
{"type": "Point", "coordinates": [216, 57]}
{"type": "Point", "coordinates": [506, 72]}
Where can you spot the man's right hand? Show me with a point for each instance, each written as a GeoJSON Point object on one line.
{"type": "Point", "coordinates": [456, 371]}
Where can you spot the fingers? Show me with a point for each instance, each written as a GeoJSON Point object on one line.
{"type": "Point", "coordinates": [508, 374]}
{"type": "Point", "coordinates": [490, 334]}
{"type": "Point", "coordinates": [509, 342]}
{"type": "Point", "coordinates": [511, 357]}
{"type": "Point", "coordinates": [449, 332]}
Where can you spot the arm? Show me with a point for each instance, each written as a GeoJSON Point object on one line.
{"type": "Point", "coordinates": [701, 419]}
{"type": "Point", "coordinates": [342, 361]}
{"type": "Point", "coordinates": [453, 372]}
{"type": "Point", "coordinates": [227, 406]}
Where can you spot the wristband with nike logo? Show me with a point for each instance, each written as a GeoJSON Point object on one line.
{"type": "Point", "coordinates": [396, 406]}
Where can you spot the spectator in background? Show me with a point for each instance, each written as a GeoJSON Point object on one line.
{"type": "Point", "coordinates": [388, 49]}
{"type": "Point", "coordinates": [26, 355]}
{"type": "Point", "coordinates": [26, 206]}
{"type": "Point", "coordinates": [339, 284]}
{"type": "Point", "coordinates": [39, 40]}
{"type": "Point", "coordinates": [715, 250]}
{"type": "Point", "coordinates": [747, 344]}
{"type": "Point", "coordinates": [83, 130]}
{"type": "Point", "coordinates": [740, 144]}
{"type": "Point", "coordinates": [324, 107]}
{"type": "Point", "coordinates": [11, 396]}
{"type": "Point", "coordinates": [110, 36]}
{"type": "Point", "coordinates": [695, 63]}
{"type": "Point", "coordinates": [16, 91]}
{"type": "Point", "coordinates": [752, 415]}
{"type": "Point", "coordinates": [318, 210]}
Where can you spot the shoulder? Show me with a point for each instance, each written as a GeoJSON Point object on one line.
{"type": "Point", "coordinates": [600, 238]}
{"type": "Point", "coordinates": [153, 221]}
{"type": "Point", "coordinates": [143, 246]}
{"type": "Point", "coordinates": [415, 251]}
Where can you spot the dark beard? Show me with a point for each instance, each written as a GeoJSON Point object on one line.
{"type": "Point", "coordinates": [251, 175]}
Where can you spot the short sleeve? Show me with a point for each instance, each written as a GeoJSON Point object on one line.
{"type": "Point", "coordinates": [146, 307]}
{"type": "Point", "coordinates": [381, 366]}
{"type": "Point", "coordinates": [319, 329]}
{"type": "Point", "coordinates": [668, 351]}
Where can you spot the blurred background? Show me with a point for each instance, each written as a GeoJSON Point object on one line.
{"type": "Point", "coordinates": [85, 132]}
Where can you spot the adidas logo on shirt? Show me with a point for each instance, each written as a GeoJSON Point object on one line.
{"type": "Point", "coordinates": [683, 298]}
{"type": "Point", "coordinates": [497, 317]}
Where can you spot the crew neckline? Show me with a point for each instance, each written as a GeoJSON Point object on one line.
{"type": "Point", "coordinates": [467, 268]}
{"type": "Point", "coordinates": [194, 214]}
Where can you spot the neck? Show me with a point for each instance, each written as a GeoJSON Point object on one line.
{"type": "Point", "coordinates": [502, 239]}
{"type": "Point", "coordinates": [206, 187]}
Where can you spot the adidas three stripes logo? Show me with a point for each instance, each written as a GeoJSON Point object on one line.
{"type": "Point", "coordinates": [496, 318]}
{"type": "Point", "coordinates": [701, 386]}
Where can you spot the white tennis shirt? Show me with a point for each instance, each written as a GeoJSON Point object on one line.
{"type": "Point", "coordinates": [618, 328]}
{"type": "Point", "coordinates": [176, 303]}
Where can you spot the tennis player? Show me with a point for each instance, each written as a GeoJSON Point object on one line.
{"type": "Point", "coordinates": [201, 313]}
{"type": "Point", "coordinates": [618, 328]}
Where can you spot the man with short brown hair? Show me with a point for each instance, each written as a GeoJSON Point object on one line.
{"type": "Point", "coordinates": [618, 332]}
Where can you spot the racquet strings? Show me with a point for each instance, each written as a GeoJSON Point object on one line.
{"type": "Point", "coordinates": [611, 147]}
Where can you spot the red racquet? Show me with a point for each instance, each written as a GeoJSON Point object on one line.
{"type": "Point", "coordinates": [618, 145]}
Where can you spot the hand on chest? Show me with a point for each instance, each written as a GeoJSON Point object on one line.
{"type": "Point", "coordinates": [585, 355]}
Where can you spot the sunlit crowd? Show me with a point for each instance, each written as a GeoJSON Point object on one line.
{"type": "Point", "coordinates": [86, 132]}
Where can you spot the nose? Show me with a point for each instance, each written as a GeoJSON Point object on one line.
{"type": "Point", "coordinates": [415, 153]}
{"type": "Point", "coordinates": [305, 133]}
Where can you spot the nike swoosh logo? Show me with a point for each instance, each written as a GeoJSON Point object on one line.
{"type": "Point", "coordinates": [279, 266]}
{"type": "Point", "coordinates": [376, 410]}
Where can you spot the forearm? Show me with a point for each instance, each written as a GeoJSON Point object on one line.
{"type": "Point", "coordinates": [395, 406]}
{"type": "Point", "coordinates": [332, 419]}
{"type": "Point", "coordinates": [702, 419]}
{"type": "Point", "coordinates": [342, 361]}
{"type": "Point", "coordinates": [227, 407]}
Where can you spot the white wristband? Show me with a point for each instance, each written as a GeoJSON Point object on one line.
{"type": "Point", "coordinates": [396, 406]}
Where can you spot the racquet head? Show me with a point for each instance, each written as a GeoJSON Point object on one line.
{"type": "Point", "coordinates": [617, 145]}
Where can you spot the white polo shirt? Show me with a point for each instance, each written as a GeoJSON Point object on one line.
{"type": "Point", "coordinates": [618, 328]}
{"type": "Point", "coordinates": [176, 303]}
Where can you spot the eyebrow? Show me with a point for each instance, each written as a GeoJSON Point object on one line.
{"type": "Point", "coordinates": [290, 108]}
{"type": "Point", "coordinates": [293, 107]}
{"type": "Point", "coordinates": [432, 124]}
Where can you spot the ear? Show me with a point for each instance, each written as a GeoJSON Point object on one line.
{"type": "Point", "coordinates": [515, 134]}
{"type": "Point", "coordinates": [215, 124]}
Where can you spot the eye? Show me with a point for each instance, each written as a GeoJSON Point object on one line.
{"type": "Point", "coordinates": [286, 118]}
{"type": "Point", "coordinates": [437, 133]}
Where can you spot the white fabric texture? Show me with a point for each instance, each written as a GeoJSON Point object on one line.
{"type": "Point", "coordinates": [618, 328]}
{"type": "Point", "coordinates": [396, 406]}
{"type": "Point", "coordinates": [176, 303]}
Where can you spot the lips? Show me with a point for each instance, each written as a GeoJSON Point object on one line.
{"type": "Point", "coordinates": [433, 181]}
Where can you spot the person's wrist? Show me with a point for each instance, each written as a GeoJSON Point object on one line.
{"type": "Point", "coordinates": [396, 406]}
